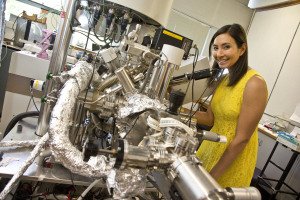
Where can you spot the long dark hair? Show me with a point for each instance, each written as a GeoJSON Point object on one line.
{"type": "Point", "coordinates": [240, 68]}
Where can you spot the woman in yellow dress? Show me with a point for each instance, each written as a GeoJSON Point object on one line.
{"type": "Point", "coordinates": [235, 110]}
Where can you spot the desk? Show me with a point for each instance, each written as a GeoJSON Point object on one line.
{"type": "Point", "coordinates": [281, 181]}
{"type": "Point", "coordinates": [13, 158]}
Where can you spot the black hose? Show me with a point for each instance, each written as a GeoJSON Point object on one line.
{"type": "Point", "coordinates": [17, 118]}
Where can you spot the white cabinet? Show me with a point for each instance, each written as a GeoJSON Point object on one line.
{"type": "Point", "coordinates": [24, 66]}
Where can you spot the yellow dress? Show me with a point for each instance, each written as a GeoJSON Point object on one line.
{"type": "Point", "coordinates": [226, 106]}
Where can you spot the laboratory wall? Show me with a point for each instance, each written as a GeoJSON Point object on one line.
{"type": "Point", "coordinates": [199, 19]}
{"type": "Point", "coordinates": [274, 46]}
{"type": "Point", "coordinates": [15, 8]}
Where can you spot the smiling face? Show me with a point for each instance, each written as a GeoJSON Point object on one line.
{"type": "Point", "coordinates": [225, 50]}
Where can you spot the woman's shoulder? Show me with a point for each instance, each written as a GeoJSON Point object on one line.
{"type": "Point", "coordinates": [257, 84]}
{"type": "Point", "coordinates": [255, 76]}
{"type": "Point", "coordinates": [252, 74]}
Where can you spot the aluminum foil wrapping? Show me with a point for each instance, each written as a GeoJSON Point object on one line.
{"type": "Point", "coordinates": [14, 180]}
{"type": "Point", "coordinates": [82, 72]}
{"type": "Point", "coordinates": [2, 23]}
{"type": "Point", "coordinates": [29, 143]}
{"type": "Point", "coordinates": [127, 183]}
{"type": "Point", "coordinates": [62, 149]}
{"type": "Point", "coordinates": [138, 103]}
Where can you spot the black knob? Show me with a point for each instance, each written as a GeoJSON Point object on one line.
{"type": "Point", "coordinates": [176, 100]}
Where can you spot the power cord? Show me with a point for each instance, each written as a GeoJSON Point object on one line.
{"type": "Point", "coordinates": [193, 81]}
{"type": "Point", "coordinates": [32, 98]}
{"type": "Point", "coordinates": [84, 100]}
{"type": "Point", "coordinates": [132, 126]}
{"type": "Point", "coordinates": [199, 99]}
{"type": "Point", "coordinates": [14, 25]}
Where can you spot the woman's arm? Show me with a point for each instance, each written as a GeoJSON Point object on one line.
{"type": "Point", "coordinates": [253, 105]}
{"type": "Point", "coordinates": [205, 118]}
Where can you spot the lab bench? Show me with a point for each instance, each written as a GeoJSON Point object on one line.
{"type": "Point", "coordinates": [279, 165]}
{"type": "Point", "coordinates": [13, 158]}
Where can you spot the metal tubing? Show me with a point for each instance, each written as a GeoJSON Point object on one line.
{"type": "Point", "coordinates": [57, 61]}
{"type": "Point", "coordinates": [125, 80]}
{"type": "Point", "coordinates": [164, 80]}
{"type": "Point", "coordinates": [192, 181]}
{"type": "Point", "coordinates": [153, 82]}
{"type": "Point", "coordinates": [244, 193]}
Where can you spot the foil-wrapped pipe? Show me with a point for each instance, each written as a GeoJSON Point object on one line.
{"type": "Point", "coordinates": [14, 180]}
{"type": "Point", "coordinates": [29, 143]}
{"type": "Point", "coordinates": [137, 103]}
{"type": "Point", "coordinates": [62, 148]}
{"type": "Point", "coordinates": [127, 183]}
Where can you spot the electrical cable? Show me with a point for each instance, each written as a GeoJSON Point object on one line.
{"type": "Point", "coordinates": [87, 41]}
{"type": "Point", "coordinates": [199, 99]}
{"type": "Point", "coordinates": [94, 30]}
{"type": "Point", "coordinates": [83, 33]}
{"type": "Point", "coordinates": [84, 100]}
{"type": "Point", "coordinates": [106, 37]}
{"type": "Point", "coordinates": [95, 182]}
{"type": "Point", "coordinates": [193, 80]}
{"type": "Point", "coordinates": [14, 25]}
{"type": "Point", "coordinates": [131, 126]}
{"type": "Point", "coordinates": [72, 179]}
{"type": "Point", "coordinates": [97, 36]}
{"type": "Point", "coordinates": [54, 195]}
{"type": "Point", "coordinates": [148, 74]}
{"type": "Point", "coordinates": [27, 108]}
{"type": "Point", "coordinates": [54, 192]}
{"type": "Point", "coordinates": [32, 97]}
{"type": "Point", "coordinates": [17, 118]}
{"type": "Point", "coordinates": [37, 134]}
{"type": "Point", "coordinates": [218, 75]}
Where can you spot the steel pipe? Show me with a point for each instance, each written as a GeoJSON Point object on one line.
{"type": "Point", "coordinates": [57, 60]}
